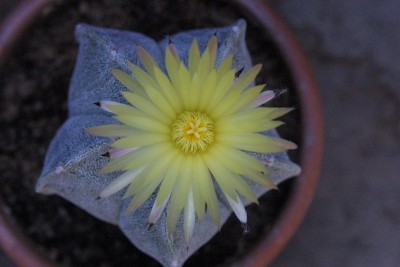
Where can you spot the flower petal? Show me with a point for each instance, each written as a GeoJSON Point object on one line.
{"type": "Point", "coordinates": [138, 158]}
{"type": "Point", "coordinates": [194, 57]}
{"type": "Point", "coordinates": [179, 195]}
{"type": "Point", "coordinates": [106, 104]}
{"type": "Point", "coordinates": [144, 78]}
{"type": "Point", "coordinates": [120, 163]}
{"type": "Point", "coordinates": [238, 208]}
{"type": "Point", "coordinates": [210, 83]}
{"type": "Point", "coordinates": [222, 89]}
{"type": "Point", "coordinates": [246, 98]}
{"type": "Point", "coordinates": [172, 65]}
{"type": "Point", "coordinates": [140, 140]}
{"type": "Point", "coordinates": [225, 66]}
{"type": "Point", "coordinates": [207, 189]}
{"type": "Point", "coordinates": [247, 115]}
{"type": "Point", "coordinates": [189, 218]}
{"type": "Point", "coordinates": [146, 124]}
{"type": "Point", "coordinates": [248, 127]}
{"type": "Point", "coordinates": [168, 90]}
{"type": "Point", "coordinates": [157, 210]}
{"type": "Point", "coordinates": [246, 79]}
{"type": "Point", "coordinates": [263, 98]}
{"type": "Point", "coordinates": [118, 152]}
{"type": "Point", "coordinates": [146, 184]}
{"type": "Point", "coordinates": [261, 179]}
{"type": "Point", "coordinates": [204, 65]}
{"type": "Point", "coordinates": [141, 196]}
{"type": "Point", "coordinates": [184, 85]}
{"type": "Point", "coordinates": [236, 167]}
{"type": "Point", "coordinates": [227, 103]}
{"type": "Point", "coordinates": [128, 81]}
{"type": "Point", "coordinates": [148, 154]}
{"type": "Point", "coordinates": [146, 107]}
{"type": "Point", "coordinates": [237, 160]}
{"type": "Point", "coordinates": [278, 112]}
{"type": "Point", "coordinates": [221, 174]}
{"type": "Point", "coordinates": [212, 47]}
{"type": "Point", "coordinates": [112, 130]}
{"type": "Point", "coordinates": [169, 181]}
{"type": "Point", "coordinates": [256, 142]}
{"type": "Point", "coordinates": [147, 60]}
{"type": "Point", "coordinates": [120, 182]}
{"type": "Point", "coordinates": [198, 197]}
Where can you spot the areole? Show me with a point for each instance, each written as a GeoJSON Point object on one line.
{"type": "Point", "coordinates": [22, 251]}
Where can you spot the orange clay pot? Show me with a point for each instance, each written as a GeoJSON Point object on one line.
{"type": "Point", "coordinates": [22, 251]}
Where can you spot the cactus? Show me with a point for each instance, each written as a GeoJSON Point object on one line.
{"type": "Point", "coordinates": [179, 123]}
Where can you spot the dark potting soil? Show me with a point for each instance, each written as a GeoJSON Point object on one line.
{"type": "Point", "coordinates": [33, 93]}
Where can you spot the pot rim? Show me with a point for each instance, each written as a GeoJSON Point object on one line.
{"type": "Point", "coordinates": [22, 251]}
{"type": "Point", "coordinates": [312, 143]}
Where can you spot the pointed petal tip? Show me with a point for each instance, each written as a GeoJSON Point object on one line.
{"type": "Point", "coordinates": [169, 39]}
{"type": "Point", "coordinates": [106, 155]}
{"type": "Point", "coordinates": [140, 49]}
{"type": "Point", "coordinates": [103, 104]}
{"type": "Point", "coordinates": [171, 47]}
{"type": "Point", "coordinates": [269, 95]}
{"type": "Point", "coordinates": [103, 171]}
{"type": "Point", "coordinates": [118, 152]}
{"type": "Point", "coordinates": [117, 184]}
{"type": "Point", "coordinates": [285, 144]}
{"type": "Point", "coordinates": [126, 212]}
{"type": "Point", "coordinates": [261, 99]}
{"type": "Point", "coordinates": [290, 145]}
{"type": "Point", "coordinates": [275, 187]}
{"type": "Point", "coordinates": [237, 74]}
{"type": "Point", "coordinates": [238, 208]}
{"type": "Point", "coordinates": [129, 210]}
{"type": "Point", "coordinates": [102, 195]}
{"type": "Point", "coordinates": [157, 210]}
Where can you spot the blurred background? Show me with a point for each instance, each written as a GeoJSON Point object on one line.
{"type": "Point", "coordinates": [353, 47]}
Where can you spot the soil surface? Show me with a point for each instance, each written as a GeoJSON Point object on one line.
{"type": "Point", "coordinates": [34, 85]}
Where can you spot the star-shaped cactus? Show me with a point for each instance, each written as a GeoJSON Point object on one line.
{"type": "Point", "coordinates": [178, 123]}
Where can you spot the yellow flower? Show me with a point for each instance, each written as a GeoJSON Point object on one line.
{"type": "Point", "coordinates": [188, 130]}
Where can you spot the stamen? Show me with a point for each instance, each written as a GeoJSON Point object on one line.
{"type": "Point", "coordinates": [193, 132]}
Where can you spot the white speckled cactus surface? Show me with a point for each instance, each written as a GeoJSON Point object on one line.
{"type": "Point", "coordinates": [180, 136]}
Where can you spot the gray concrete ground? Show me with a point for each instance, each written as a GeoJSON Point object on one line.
{"type": "Point", "coordinates": [353, 46]}
{"type": "Point", "coordinates": [355, 217]}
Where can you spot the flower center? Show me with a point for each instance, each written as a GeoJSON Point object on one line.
{"type": "Point", "coordinates": [193, 131]}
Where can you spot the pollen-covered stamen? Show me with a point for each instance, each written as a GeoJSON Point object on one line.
{"type": "Point", "coordinates": [193, 131]}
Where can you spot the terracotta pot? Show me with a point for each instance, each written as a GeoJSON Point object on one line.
{"type": "Point", "coordinates": [22, 251]}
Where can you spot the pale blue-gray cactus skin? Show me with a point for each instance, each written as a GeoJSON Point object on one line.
{"type": "Point", "coordinates": [73, 160]}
